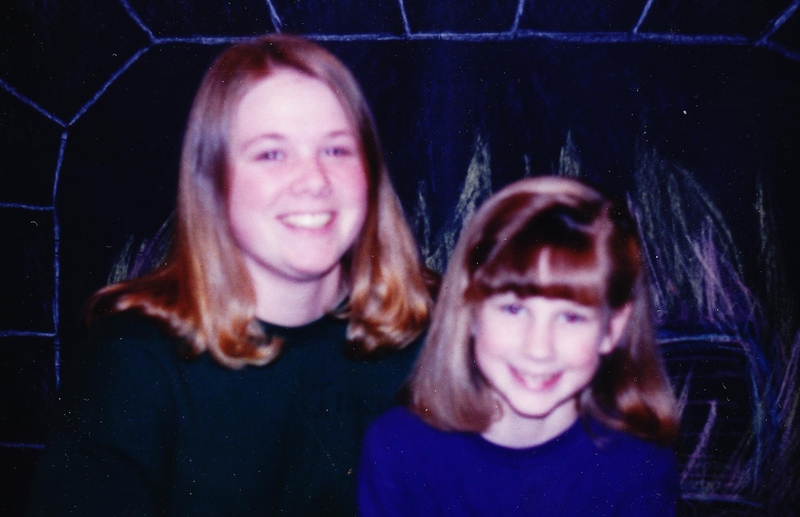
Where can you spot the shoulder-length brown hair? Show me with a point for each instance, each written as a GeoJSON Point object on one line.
{"type": "Point", "coordinates": [203, 293]}
{"type": "Point", "coordinates": [589, 245]}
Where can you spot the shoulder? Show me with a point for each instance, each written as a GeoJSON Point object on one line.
{"type": "Point", "coordinates": [119, 350]}
{"type": "Point", "coordinates": [401, 359]}
{"type": "Point", "coordinates": [635, 451]}
{"type": "Point", "coordinates": [119, 389]}
{"type": "Point", "coordinates": [126, 327]}
{"type": "Point", "coordinates": [398, 423]}
{"type": "Point", "coordinates": [649, 478]}
{"type": "Point", "coordinates": [400, 449]}
{"type": "Point", "coordinates": [647, 464]}
{"type": "Point", "coordinates": [131, 335]}
{"type": "Point", "coordinates": [397, 468]}
{"type": "Point", "coordinates": [399, 432]}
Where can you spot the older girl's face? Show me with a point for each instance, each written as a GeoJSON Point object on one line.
{"type": "Point", "coordinates": [297, 184]}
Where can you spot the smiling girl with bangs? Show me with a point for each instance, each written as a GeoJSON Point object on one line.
{"type": "Point", "coordinates": [540, 389]}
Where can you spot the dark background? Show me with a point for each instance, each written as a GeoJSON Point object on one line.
{"type": "Point", "coordinates": [689, 108]}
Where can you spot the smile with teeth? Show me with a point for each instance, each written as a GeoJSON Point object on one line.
{"type": "Point", "coordinates": [536, 382]}
{"type": "Point", "coordinates": [308, 220]}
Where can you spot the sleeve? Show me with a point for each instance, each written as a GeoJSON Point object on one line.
{"type": "Point", "coordinates": [654, 487]}
{"type": "Point", "coordinates": [384, 475]}
{"type": "Point", "coordinates": [112, 434]}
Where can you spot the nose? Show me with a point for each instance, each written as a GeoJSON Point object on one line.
{"type": "Point", "coordinates": [312, 177]}
{"type": "Point", "coordinates": [538, 342]}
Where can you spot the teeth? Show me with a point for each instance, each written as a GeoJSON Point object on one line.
{"type": "Point", "coordinates": [311, 221]}
{"type": "Point", "coordinates": [537, 382]}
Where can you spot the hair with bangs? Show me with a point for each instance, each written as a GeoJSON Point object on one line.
{"type": "Point", "coordinates": [203, 293]}
{"type": "Point", "coordinates": [558, 238]}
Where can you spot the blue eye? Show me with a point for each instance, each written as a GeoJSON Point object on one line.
{"type": "Point", "coordinates": [573, 317]}
{"type": "Point", "coordinates": [512, 308]}
{"type": "Point", "coordinates": [338, 151]}
{"type": "Point", "coordinates": [269, 156]}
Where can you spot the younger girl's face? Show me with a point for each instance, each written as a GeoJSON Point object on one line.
{"type": "Point", "coordinates": [539, 353]}
{"type": "Point", "coordinates": [297, 184]}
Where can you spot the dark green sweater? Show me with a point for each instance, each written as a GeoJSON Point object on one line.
{"type": "Point", "coordinates": [142, 432]}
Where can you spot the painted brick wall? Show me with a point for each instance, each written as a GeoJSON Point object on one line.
{"type": "Point", "coordinates": [689, 107]}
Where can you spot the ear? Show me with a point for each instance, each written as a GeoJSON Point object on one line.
{"type": "Point", "coordinates": [616, 327]}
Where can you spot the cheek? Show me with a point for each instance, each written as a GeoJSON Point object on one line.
{"type": "Point", "coordinates": [584, 354]}
{"type": "Point", "coordinates": [485, 349]}
{"type": "Point", "coordinates": [490, 333]}
{"type": "Point", "coordinates": [482, 359]}
{"type": "Point", "coordinates": [251, 191]}
{"type": "Point", "coordinates": [240, 187]}
{"type": "Point", "coordinates": [241, 199]}
{"type": "Point", "coordinates": [241, 227]}
{"type": "Point", "coordinates": [241, 196]}
{"type": "Point", "coordinates": [355, 188]}
{"type": "Point", "coordinates": [582, 342]}
{"type": "Point", "coordinates": [353, 197]}
{"type": "Point", "coordinates": [247, 202]}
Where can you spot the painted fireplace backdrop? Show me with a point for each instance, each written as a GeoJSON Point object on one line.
{"type": "Point", "coordinates": [688, 107]}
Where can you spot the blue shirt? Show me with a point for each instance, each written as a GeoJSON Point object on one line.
{"type": "Point", "coordinates": [410, 468]}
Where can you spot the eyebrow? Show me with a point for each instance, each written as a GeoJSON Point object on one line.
{"type": "Point", "coordinates": [266, 136]}
{"type": "Point", "coordinates": [341, 132]}
{"type": "Point", "coordinates": [281, 137]}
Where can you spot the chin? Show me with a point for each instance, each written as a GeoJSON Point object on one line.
{"type": "Point", "coordinates": [308, 272]}
{"type": "Point", "coordinates": [531, 413]}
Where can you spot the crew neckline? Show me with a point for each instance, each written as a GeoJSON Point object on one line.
{"type": "Point", "coordinates": [277, 328]}
{"type": "Point", "coordinates": [503, 453]}
{"type": "Point", "coordinates": [308, 333]}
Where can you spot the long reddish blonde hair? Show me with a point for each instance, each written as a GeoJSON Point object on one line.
{"type": "Point", "coordinates": [203, 294]}
{"type": "Point", "coordinates": [593, 256]}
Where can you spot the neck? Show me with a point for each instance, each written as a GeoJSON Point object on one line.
{"type": "Point", "coordinates": [292, 303]}
{"type": "Point", "coordinates": [520, 431]}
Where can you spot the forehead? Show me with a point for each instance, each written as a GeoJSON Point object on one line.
{"type": "Point", "coordinates": [287, 98]}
